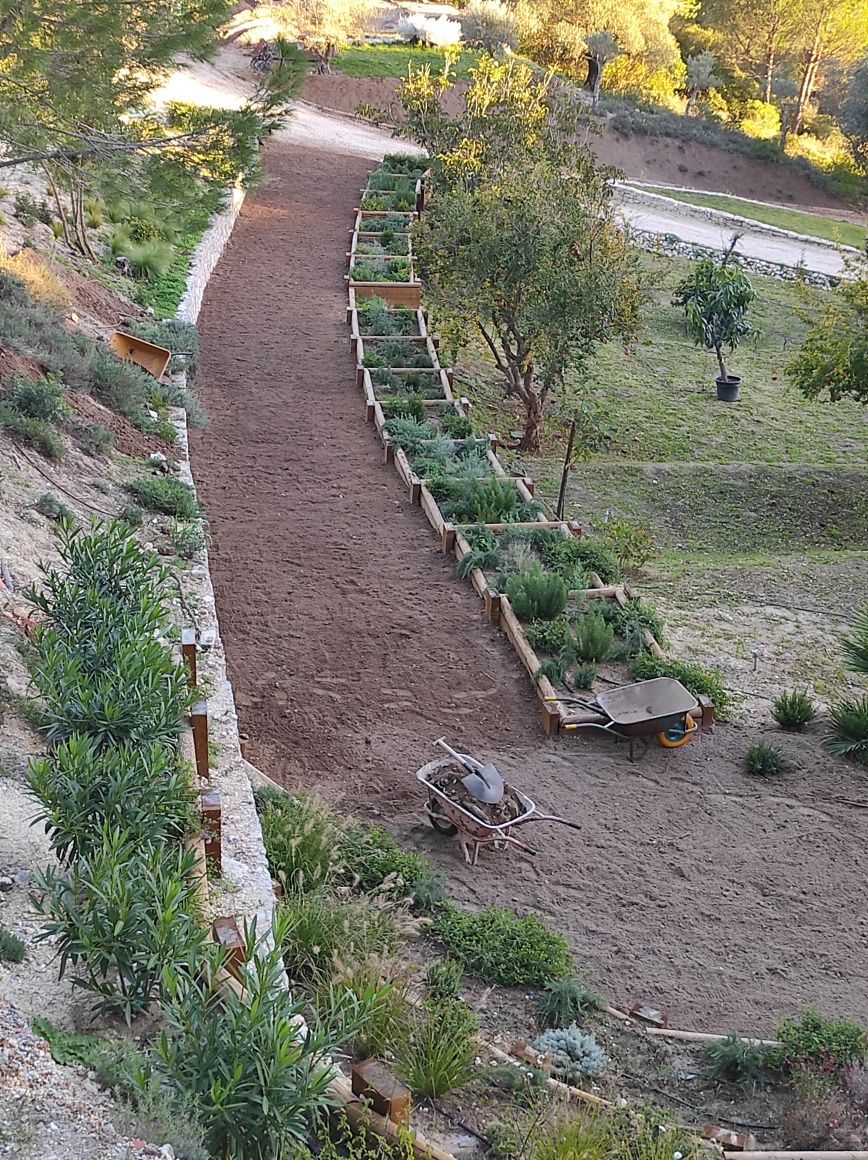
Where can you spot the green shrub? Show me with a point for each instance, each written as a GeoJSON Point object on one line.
{"type": "Point", "coordinates": [566, 1001]}
{"type": "Point", "coordinates": [849, 736]}
{"type": "Point", "coordinates": [536, 595]}
{"type": "Point", "coordinates": [164, 494]}
{"type": "Point", "coordinates": [302, 837]}
{"type": "Point", "coordinates": [35, 433]}
{"type": "Point", "coordinates": [327, 931]}
{"type": "Point", "coordinates": [549, 636]}
{"type": "Point", "coordinates": [734, 1060]}
{"type": "Point", "coordinates": [589, 554]}
{"type": "Point", "coordinates": [584, 676]}
{"type": "Point", "coordinates": [696, 679]}
{"type": "Point", "coordinates": [120, 916]}
{"type": "Point", "coordinates": [574, 1056]}
{"type": "Point", "coordinates": [381, 270]}
{"type": "Point", "coordinates": [120, 384]}
{"type": "Point", "coordinates": [410, 163]}
{"type": "Point", "coordinates": [188, 539]}
{"type": "Point", "coordinates": [132, 514]}
{"type": "Point", "coordinates": [817, 1043]}
{"type": "Point", "coordinates": [764, 760]}
{"type": "Point", "coordinates": [36, 399]}
{"type": "Point", "coordinates": [52, 508]}
{"type": "Point", "coordinates": [563, 555]}
{"type": "Point", "coordinates": [254, 1080]}
{"type": "Point", "coordinates": [484, 501]}
{"type": "Point", "coordinates": [455, 425]}
{"type": "Point", "coordinates": [632, 544]}
{"type": "Point", "coordinates": [137, 693]}
{"type": "Point", "coordinates": [142, 788]}
{"type": "Point", "coordinates": [406, 407]}
{"type": "Point", "coordinates": [94, 439]}
{"type": "Point", "coordinates": [793, 710]}
{"type": "Point", "coordinates": [378, 318]}
{"type": "Point", "coordinates": [409, 434]}
{"type": "Point", "coordinates": [502, 948]}
{"type": "Point", "coordinates": [372, 861]}
{"type": "Point", "coordinates": [437, 1054]}
{"type": "Point", "coordinates": [12, 949]}
{"type": "Point", "coordinates": [593, 638]}
{"type": "Point", "coordinates": [443, 979]}
{"type": "Point", "coordinates": [635, 616]}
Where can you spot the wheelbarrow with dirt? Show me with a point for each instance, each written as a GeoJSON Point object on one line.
{"type": "Point", "coordinates": [472, 800]}
{"type": "Point", "coordinates": [660, 708]}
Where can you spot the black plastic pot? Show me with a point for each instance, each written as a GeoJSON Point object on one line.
{"type": "Point", "coordinates": [728, 388]}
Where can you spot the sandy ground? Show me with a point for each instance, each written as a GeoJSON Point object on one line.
{"type": "Point", "coordinates": [351, 647]}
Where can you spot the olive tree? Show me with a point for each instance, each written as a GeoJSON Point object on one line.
{"type": "Point", "coordinates": [533, 263]}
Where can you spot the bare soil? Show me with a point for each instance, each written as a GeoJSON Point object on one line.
{"type": "Point", "coordinates": [640, 157]}
{"type": "Point", "coordinates": [726, 901]}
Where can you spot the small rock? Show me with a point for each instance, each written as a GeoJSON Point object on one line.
{"type": "Point", "coordinates": [167, 1152]}
{"type": "Point", "coordinates": [6, 883]}
{"type": "Point", "coordinates": [22, 878]}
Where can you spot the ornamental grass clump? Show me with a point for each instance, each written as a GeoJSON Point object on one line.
{"type": "Point", "coordinates": [793, 710]}
{"type": "Point", "coordinates": [436, 1053]}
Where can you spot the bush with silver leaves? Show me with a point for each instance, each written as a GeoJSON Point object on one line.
{"type": "Point", "coordinates": [490, 25]}
{"type": "Point", "coordinates": [574, 1055]}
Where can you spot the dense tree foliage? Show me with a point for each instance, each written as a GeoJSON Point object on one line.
{"type": "Point", "coordinates": [833, 361]}
{"type": "Point", "coordinates": [76, 82]}
{"type": "Point", "coordinates": [519, 246]}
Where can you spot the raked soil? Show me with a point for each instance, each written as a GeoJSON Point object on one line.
{"type": "Point", "coordinates": [725, 900]}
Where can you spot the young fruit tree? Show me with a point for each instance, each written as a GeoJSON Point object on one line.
{"type": "Point", "coordinates": [531, 261]}
{"type": "Point", "coordinates": [716, 298]}
{"type": "Point", "coordinates": [833, 360]}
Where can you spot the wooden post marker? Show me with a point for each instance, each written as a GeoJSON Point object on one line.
{"type": "Point", "coordinates": [209, 806]}
{"type": "Point", "coordinates": [199, 718]}
{"type": "Point", "coordinates": [188, 652]}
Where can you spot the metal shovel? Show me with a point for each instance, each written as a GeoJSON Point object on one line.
{"type": "Point", "coordinates": [482, 781]}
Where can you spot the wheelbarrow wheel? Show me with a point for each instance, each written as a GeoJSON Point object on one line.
{"type": "Point", "coordinates": [678, 735]}
{"type": "Point", "coordinates": [438, 819]}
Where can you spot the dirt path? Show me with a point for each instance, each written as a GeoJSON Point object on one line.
{"type": "Point", "coordinates": [691, 887]}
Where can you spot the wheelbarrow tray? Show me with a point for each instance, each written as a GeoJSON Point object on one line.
{"type": "Point", "coordinates": [647, 707]}
{"type": "Point", "coordinates": [465, 821]}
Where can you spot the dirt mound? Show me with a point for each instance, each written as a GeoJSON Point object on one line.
{"type": "Point", "coordinates": [640, 157]}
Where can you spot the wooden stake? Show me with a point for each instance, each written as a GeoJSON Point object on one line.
{"type": "Point", "coordinates": [565, 474]}
{"type": "Point", "coordinates": [199, 718]}
{"type": "Point", "coordinates": [188, 652]}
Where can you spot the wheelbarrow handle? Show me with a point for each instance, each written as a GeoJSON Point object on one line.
{"type": "Point", "coordinates": [556, 818]}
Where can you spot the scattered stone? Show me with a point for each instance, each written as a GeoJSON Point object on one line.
{"type": "Point", "coordinates": [6, 883]}
{"type": "Point", "coordinates": [22, 878]}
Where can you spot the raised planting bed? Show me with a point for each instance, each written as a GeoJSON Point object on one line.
{"type": "Point", "coordinates": [403, 199]}
{"type": "Point", "coordinates": [374, 318]}
{"type": "Point", "coordinates": [379, 222]}
{"type": "Point", "coordinates": [397, 353]}
{"type": "Point", "coordinates": [391, 279]}
{"type": "Point", "coordinates": [431, 383]}
{"type": "Point", "coordinates": [385, 244]}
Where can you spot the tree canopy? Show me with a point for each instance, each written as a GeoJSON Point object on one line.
{"type": "Point", "coordinates": [519, 245]}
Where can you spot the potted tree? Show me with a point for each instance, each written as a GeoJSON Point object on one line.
{"type": "Point", "coordinates": [716, 298]}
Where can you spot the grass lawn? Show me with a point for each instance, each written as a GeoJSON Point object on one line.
{"type": "Point", "coordinates": [762, 500]}
{"type": "Point", "coordinates": [796, 220]}
{"type": "Point", "coordinates": [393, 60]}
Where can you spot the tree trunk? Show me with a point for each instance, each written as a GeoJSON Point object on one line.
{"type": "Point", "coordinates": [691, 101]}
{"type": "Point", "coordinates": [809, 78]}
{"type": "Point", "coordinates": [721, 363]}
{"type": "Point", "coordinates": [769, 75]}
{"type": "Point", "coordinates": [534, 412]}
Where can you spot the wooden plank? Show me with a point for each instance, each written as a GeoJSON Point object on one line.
{"type": "Point", "coordinates": [447, 539]}
{"type": "Point", "coordinates": [395, 293]}
{"type": "Point", "coordinates": [511, 625]}
{"type": "Point", "coordinates": [415, 489]}
{"type": "Point", "coordinates": [402, 464]}
{"type": "Point", "coordinates": [504, 527]}
{"type": "Point", "coordinates": [431, 510]}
